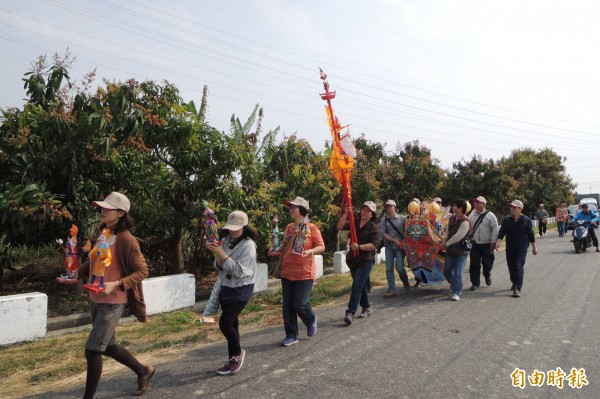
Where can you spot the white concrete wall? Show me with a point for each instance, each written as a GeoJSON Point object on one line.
{"type": "Point", "coordinates": [339, 262]}
{"type": "Point", "coordinates": [167, 293]}
{"type": "Point", "coordinates": [23, 317]}
{"type": "Point", "coordinates": [319, 263]}
{"type": "Point", "coordinates": [262, 277]}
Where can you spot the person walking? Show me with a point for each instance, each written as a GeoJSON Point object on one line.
{"type": "Point", "coordinates": [122, 287]}
{"type": "Point", "coordinates": [392, 231]}
{"type": "Point", "coordinates": [542, 217]}
{"type": "Point", "coordinates": [562, 219]}
{"type": "Point", "coordinates": [484, 233]}
{"type": "Point", "coordinates": [235, 259]}
{"type": "Point", "coordinates": [518, 230]}
{"type": "Point", "coordinates": [456, 254]}
{"type": "Point", "coordinates": [361, 264]}
{"type": "Point", "coordinates": [298, 270]}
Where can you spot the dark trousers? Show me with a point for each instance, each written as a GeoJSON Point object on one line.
{"type": "Point", "coordinates": [541, 227]}
{"type": "Point", "coordinates": [358, 295]}
{"type": "Point", "coordinates": [515, 259]}
{"type": "Point", "coordinates": [592, 233]}
{"type": "Point", "coordinates": [229, 325]}
{"type": "Point", "coordinates": [296, 296]}
{"type": "Point", "coordinates": [481, 255]}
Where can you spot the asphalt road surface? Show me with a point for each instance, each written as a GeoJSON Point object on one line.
{"type": "Point", "coordinates": [419, 344]}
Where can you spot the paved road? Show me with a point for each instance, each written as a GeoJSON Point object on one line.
{"type": "Point", "coordinates": [417, 345]}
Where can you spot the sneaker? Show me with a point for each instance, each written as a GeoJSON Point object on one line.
{"type": "Point", "coordinates": [365, 312]}
{"type": "Point", "coordinates": [512, 287]}
{"type": "Point", "coordinates": [406, 287]}
{"type": "Point", "coordinates": [239, 362]}
{"type": "Point", "coordinates": [289, 341]}
{"type": "Point", "coordinates": [488, 281]}
{"type": "Point", "coordinates": [455, 297]}
{"type": "Point", "coordinates": [226, 369]}
{"type": "Point", "coordinates": [348, 318]}
{"type": "Point", "coordinates": [389, 294]}
{"type": "Point", "coordinates": [233, 365]}
{"type": "Point", "coordinates": [474, 288]}
{"type": "Point", "coordinates": [418, 284]}
{"type": "Point", "coordinates": [517, 293]}
{"type": "Point", "coordinates": [312, 329]}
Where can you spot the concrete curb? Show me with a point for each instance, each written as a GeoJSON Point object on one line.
{"type": "Point", "coordinates": [61, 325]}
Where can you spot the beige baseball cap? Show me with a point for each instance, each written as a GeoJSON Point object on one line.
{"type": "Point", "coordinates": [480, 199]}
{"type": "Point", "coordinates": [517, 204]}
{"type": "Point", "coordinates": [114, 200]}
{"type": "Point", "coordinates": [390, 202]}
{"type": "Point", "coordinates": [236, 220]}
{"type": "Point", "coordinates": [369, 204]}
{"type": "Point", "coordinates": [298, 201]}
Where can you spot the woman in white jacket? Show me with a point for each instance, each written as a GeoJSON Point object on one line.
{"type": "Point", "coordinates": [236, 261]}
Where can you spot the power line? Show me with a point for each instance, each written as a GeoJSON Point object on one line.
{"type": "Point", "coordinates": [104, 17]}
{"type": "Point", "coordinates": [262, 84]}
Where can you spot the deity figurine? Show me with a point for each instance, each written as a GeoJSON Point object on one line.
{"type": "Point", "coordinates": [303, 233]}
{"type": "Point", "coordinates": [71, 263]}
{"type": "Point", "coordinates": [103, 259]}
{"type": "Point", "coordinates": [212, 233]}
{"type": "Point", "coordinates": [275, 234]}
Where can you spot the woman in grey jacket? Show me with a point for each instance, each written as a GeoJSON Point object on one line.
{"type": "Point", "coordinates": [236, 261]}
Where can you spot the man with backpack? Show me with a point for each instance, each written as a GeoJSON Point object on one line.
{"type": "Point", "coordinates": [392, 233]}
{"type": "Point", "coordinates": [484, 233]}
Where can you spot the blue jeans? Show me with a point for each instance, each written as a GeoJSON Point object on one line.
{"type": "Point", "coordinates": [296, 296]}
{"type": "Point", "coordinates": [394, 257]}
{"type": "Point", "coordinates": [359, 288]}
{"type": "Point", "coordinates": [562, 228]}
{"type": "Point", "coordinates": [515, 259]}
{"type": "Point", "coordinates": [453, 270]}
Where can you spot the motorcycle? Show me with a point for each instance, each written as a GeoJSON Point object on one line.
{"type": "Point", "coordinates": [581, 236]}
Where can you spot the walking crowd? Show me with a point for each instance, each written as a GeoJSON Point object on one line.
{"type": "Point", "coordinates": [475, 236]}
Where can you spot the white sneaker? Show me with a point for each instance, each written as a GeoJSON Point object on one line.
{"type": "Point", "coordinates": [455, 297]}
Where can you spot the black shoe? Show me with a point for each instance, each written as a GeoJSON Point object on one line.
{"type": "Point", "coordinates": [597, 250]}
{"type": "Point", "coordinates": [488, 281]}
{"type": "Point", "coordinates": [418, 284]}
{"type": "Point", "coordinates": [512, 287]}
{"type": "Point", "coordinates": [474, 288]}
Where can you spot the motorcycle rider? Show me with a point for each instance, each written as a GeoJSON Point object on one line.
{"type": "Point", "coordinates": [587, 215]}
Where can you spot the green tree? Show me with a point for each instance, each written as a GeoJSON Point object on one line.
{"type": "Point", "coordinates": [476, 177]}
{"type": "Point", "coordinates": [536, 177]}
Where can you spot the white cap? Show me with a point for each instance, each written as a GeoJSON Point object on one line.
{"type": "Point", "coordinates": [236, 220]}
{"type": "Point", "coordinates": [517, 204]}
{"type": "Point", "coordinates": [369, 204]}
{"type": "Point", "coordinates": [298, 201]}
{"type": "Point", "coordinates": [390, 202]}
{"type": "Point", "coordinates": [114, 200]}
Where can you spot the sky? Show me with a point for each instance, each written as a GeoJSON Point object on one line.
{"type": "Point", "coordinates": [462, 77]}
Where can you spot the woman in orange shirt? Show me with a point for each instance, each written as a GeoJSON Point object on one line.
{"type": "Point", "coordinates": [302, 241]}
